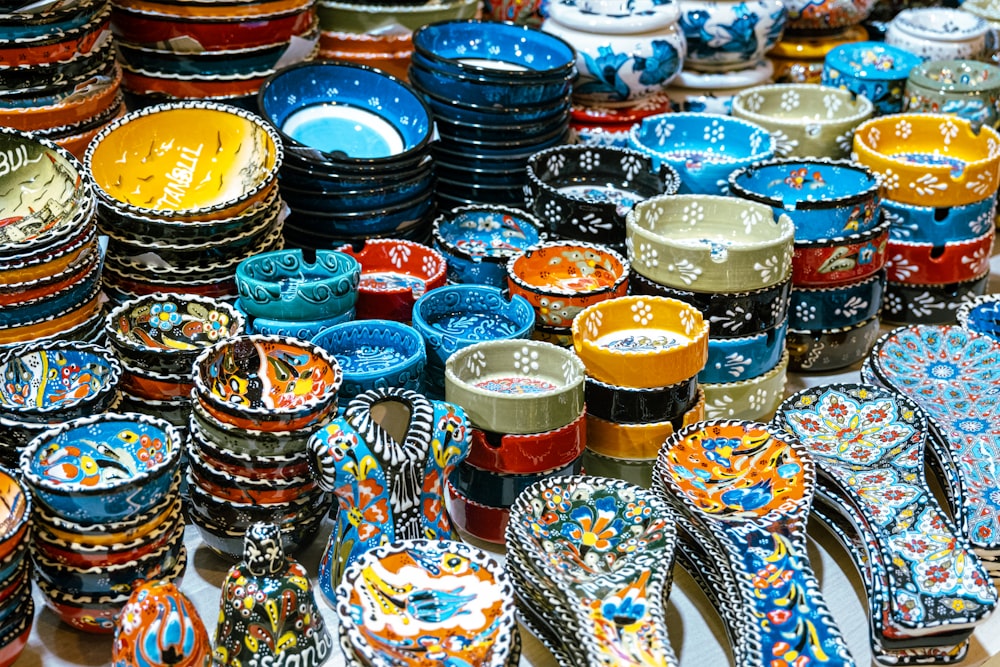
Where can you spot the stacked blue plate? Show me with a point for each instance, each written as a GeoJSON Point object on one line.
{"type": "Point", "coordinates": [357, 159]}
{"type": "Point", "coordinates": [499, 93]}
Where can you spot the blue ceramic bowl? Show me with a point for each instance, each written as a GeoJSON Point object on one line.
{"type": "Point", "coordinates": [477, 241]}
{"type": "Point", "coordinates": [376, 354]}
{"type": "Point", "coordinates": [455, 316]}
{"type": "Point", "coordinates": [296, 329]}
{"type": "Point", "coordinates": [374, 222]}
{"type": "Point", "coordinates": [383, 194]}
{"type": "Point", "coordinates": [703, 148]}
{"type": "Point", "coordinates": [498, 195]}
{"type": "Point", "coordinates": [494, 50]}
{"type": "Point", "coordinates": [102, 468]}
{"type": "Point", "coordinates": [462, 131]}
{"type": "Point", "coordinates": [351, 115]}
{"type": "Point", "coordinates": [824, 198]}
{"type": "Point", "coordinates": [938, 225]}
{"type": "Point", "coordinates": [826, 308]}
{"type": "Point", "coordinates": [305, 176]}
{"type": "Point", "coordinates": [981, 314]}
{"type": "Point", "coordinates": [285, 285]}
{"type": "Point", "coordinates": [877, 71]}
{"type": "Point", "coordinates": [204, 63]}
{"type": "Point", "coordinates": [486, 91]}
{"type": "Point", "coordinates": [743, 358]}
{"type": "Point", "coordinates": [498, 117]}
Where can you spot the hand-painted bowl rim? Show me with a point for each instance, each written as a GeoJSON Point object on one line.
{"type": "Point", "coordinates": [739, 190]}
{"type": "Point", "coordinates": [105, 353]}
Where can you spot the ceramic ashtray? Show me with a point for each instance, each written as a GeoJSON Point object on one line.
{"type": "Point", "coordinates": [965, 88]}
{"type": "Point", "coordinates": [981, 314]}
{"type": "Point", "coordinates": [394, 274]}
{"type": "Point", "coordinates": [877, 71]}
{"type": "Point", "coordinates": [375, 353]}
{"type": "Point", "coordinates": [286, 285]}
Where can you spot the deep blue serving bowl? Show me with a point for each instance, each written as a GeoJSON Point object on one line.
{"type": "Point", "coordinates": [314, 176]}
{"type": "Point", "coordinates": [499, 117]}
{"type": "Point", "coordinates": [382, 194]}
{"type": "Point", "coordinates": [376, 354]}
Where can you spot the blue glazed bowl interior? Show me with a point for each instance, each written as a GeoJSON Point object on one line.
{"type": "Point", "coordinates": [710, 137]}
{"type": "Point", "coordinates": [489, 232]}
{"type": "Point", "coordinates": [872, 60]}
{"type": "Point", "coordinates": [375, 352]}
{"type": "Point", "coordinates": [348, 112]}
{"type": "Point", "coordinates": [791, 183]}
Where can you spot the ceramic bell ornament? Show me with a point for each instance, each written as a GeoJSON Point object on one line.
{"type": "Point", "coordinates": [160, 627]}
{"type": "Point", "coordinates": [268, 614]}
{"type": "Point", "coordinates": [386, 460]}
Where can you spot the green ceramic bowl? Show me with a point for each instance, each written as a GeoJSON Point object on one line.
{"type": "Point", "coordinates": [966, 88]}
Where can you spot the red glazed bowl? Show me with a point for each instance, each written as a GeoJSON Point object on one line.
{"type": "Point", "coordinates": [394, 274]}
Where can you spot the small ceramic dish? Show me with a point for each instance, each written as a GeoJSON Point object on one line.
{"type": "Point", "coordinates": [477, 241]}
{"type": "Point", "coordinates": [929, 224]}
{"type": "Point", "coordinates": [744, 357]}
{"type": "Point", "coordinates": [61, 380]}
{"type": "Point", "coordinates": [824, 198]}
{"type": "Point", "coordinates": [638, 441]}
{"type": "Point", "coordinates": [641, 341]}
{"type": "Point", "coordinates": [394, 274]}
{"type": "Point", "coordinates": [134, 459]}
{"type": "Point", "coordinates": [906, 303]}
{"type": "Point", "coordinates": [586, 191]}
{"type": "Point", "coordinates": [17, 510]}
{"type": "Point", "coordinates": [981, 315]}
{"type": "Point", "coordinates": [284, 284]}
{"type": "Point", "coordinates": [824, 308]}
{"type": "Point", "coordinates": [691, 242]}
{"type": "Point", "coordinates": [269, 383]}
{"type": "Point", "coordinates": [805, 120]}
{"type": "Point", "coordinates": [938, 33]}
{"type": "Point", "coordinates": [561, 278]}
{"type": "Point", "coordinates": [702, 148]}
{"type": "Point", "coordinates": [516, 386]}
{"type": "Point", "coordinates": [823, 350]}
{"type": "Point", "coordinates": [510, 453]}
{"type": "Point", "coordinates": [877, 71]}
{"type": "Point", "coordinates": [842, 260]}
{"type": "Point", "coordinates": [170, 179]}
{"type": "Point", "coordinates": [965, 88]}
{"type": "Point", "coordinates": [375, 353]}
{"type": "Point", "coordinates": [630, 405]}
{"type": "Point", "coordinates": [753, 399]}
{"type": "Point", "coordinates": [930, 159]}
{"type": "Point", "coordinates": [939, 263]}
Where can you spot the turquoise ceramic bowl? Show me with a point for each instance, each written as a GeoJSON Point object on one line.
{"type": "Point", "coordinates": [284, 285]}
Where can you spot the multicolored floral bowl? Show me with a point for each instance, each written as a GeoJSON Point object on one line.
{"type": "Point", "coordinates": [270, 383]}
{"type": "Point", "coordinates": [877, 71]}
{"type": "Point", "coordinates": [966, 88]}
{"type": "Point", "coordinates": [286, 285]}
{"type": "Point", "coordinates": [102, 468]}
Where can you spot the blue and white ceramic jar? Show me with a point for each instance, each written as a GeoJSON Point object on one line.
{"type": "Point", "coordinates": [725, 35]}
{"type": "Point", "coordinates": [625, 49]}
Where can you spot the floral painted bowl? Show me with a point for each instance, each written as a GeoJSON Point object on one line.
{"type": "Point", "coordinates": [702, 148]}
{"type": "Point", "coordinates": [269, 383]}
{"type": "Point", "coordinates": [64, 380]}
{"type": "Point", "coordinates": [104, 467]}
{"type": "Point", "coordinates": [284, 284]}
{"type": "Point", "coordinates": [965, 88]}
{"type": "Point", "coordinates": [375, 353]}
{"type": "Point", "coordinates": [877, 71]}
{"type": "Point", "coordinates": [17, 510]}
{"type": "Point", "coordinates": [806, 120]}
{"type": "Point", "coordinates": [176, 180]}
{"type": "Point", "coordinates": [394, 274]}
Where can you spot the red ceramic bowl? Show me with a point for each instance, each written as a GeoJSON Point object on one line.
{"type": "Point", "coordinates": [932, 264]}
{"type": "Point", "coordinates": [480, 521]}
{"type": "Point", "coordinates": [526, 454]}
{"type": "Point", "coordinates": [840, 261]}
{"type": "Point", "coordinates": [394, 274]}
{"type": "Point", "coordinates": [63, 46]}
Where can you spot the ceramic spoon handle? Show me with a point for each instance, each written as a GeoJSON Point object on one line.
{"type": "Point", "coordinates": [787, 606]}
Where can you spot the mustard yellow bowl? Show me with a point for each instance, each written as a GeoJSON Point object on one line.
{"type": "Point", "coordinates": [641, 341]}
{"type": "Point", "coordinates": [930, 159]}
{"type": "Point", "coordinates": [184, 160]}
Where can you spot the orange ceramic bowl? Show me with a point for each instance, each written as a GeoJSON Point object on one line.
{"type": "Point", "coordinates": [15, 511]}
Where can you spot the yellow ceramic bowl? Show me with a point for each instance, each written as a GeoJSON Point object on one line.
{"type": "Point", "coordinates": [930, 159]}
{"type": "Point", "coordinates": [184, 160]}
{"type": "Point", "coordinates": [636, 441]}
{"type": "Point", "coordinates": [641, 341]}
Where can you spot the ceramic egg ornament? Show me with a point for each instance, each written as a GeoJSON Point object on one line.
{"type": "Point", "coordinates": [160, 626]}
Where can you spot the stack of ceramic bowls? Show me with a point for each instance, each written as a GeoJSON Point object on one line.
{"type": "Point", "coordinates": [285, 293]}
{"type": "Point", "coordinates": [58, 77]}
{"type": "Point", "coordinates": [478, 241]}
{"type": "Point", "coordinates": [805, 120]}
{"type": "Point", "coordinates": [586, 191]}
{"type": "Point", "coordinates": [185, 191]}
{"type": "Point", "coordinates": [499, 92]}
{"type": "Point", "coordinates": [966, 88]}
{"type": "Point", "coordinates": [455, 316]}
{"type": "Point", "coordinates": [561, 278]}
{"type": "Point", "coordinates": [356, 156]}
{"type": "Point", "coordinates": [477, 627]}
{"type": "Point", "coordinates": [731, 259]}
{"type": "Point", "coordinates": [608, 124]}
{"type": "Point", "coordinates": [173, 50]}
{"type": "Point", "coordinates": [108, 513]}
{"type": "Point", "coordinates": [642, 355]}
{"type": "Point", "coordinates": [375, 354]}
{"type": "Point", "coordinates": [813, 29]}
{"type": "Point", "coordinates": [47, 383]}
{"type": "Point", "coordinates": [256, 401]}
{"type": "Point", "coordinates": [838, 275]}
{"type": "Point", "coordinates": [50, 269]}
{"type": "Point", "coordinates": [157, 338]}
{"type": "Point", "coordinates": [702, 148]}
{"type": "Point", "coordinates": [939, 174]}
{"type": "Point", "coordinates": [877, 71]}
{"type": "Point", "coordinates": [17, 607]}
{"type": "Point", "coordinates": [524, 401]}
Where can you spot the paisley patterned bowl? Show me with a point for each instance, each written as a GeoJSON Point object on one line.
{"type": "Point", "coordinates": [102, 468]}
{"type": "Point", "coordinates": [375, 353]}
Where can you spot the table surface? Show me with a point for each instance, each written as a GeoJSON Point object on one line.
{"type": "Point", "coordinates": [695, 630]}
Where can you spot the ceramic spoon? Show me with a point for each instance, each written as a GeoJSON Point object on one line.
{"type": "Point", "coordinates": [950, 372]}
{"type": "Point", "coordinates": [868, 444]}
{"type": "Point", "coordinates": [609, 547]}
{"type": "Point", "coordinates": [748, 486]}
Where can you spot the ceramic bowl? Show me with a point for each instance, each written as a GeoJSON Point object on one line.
{"type": "Point", "coordinates": [637, 441]}
{"type": "Point", "coordinates": [144, 383]}
{"type": "Point", "coordinates": [938, 225]}
{"type": "Point", "coordinates": [939, 263]}
{"type": "Point", "coordinates": [587, 191]}
{"type": "Point", "coordinates": [240, 516]}
{"type": "Point", "coordinates": [284, 284]}
{"type": "Point", "coordinates": [229, 542]}
{"type": "Point", "coordinates": [631, 405]}
{"type": "Point", "coordinates": [690, 242]}
{"type": "Point", "coordinates": [247, 441]}
{"type": "Point", "coordinates": [380, 118]}
{"type": "Point", "coordinates": [61, 380]}
{"type": "Point", "coordinates": [375, 353]}
{"type": "Point", "coordinates": [799, 58]}
{"type": "Point", "coordinates": [378, 195]}
{"type": "Point", "coordinates": [821, 351]}
{"type": "Point", "coordinates": [724, 36]}
{"type": "Point", "coordinates": [389, 219]}
{"type": "Point", "coordinates": [981, 315]}
{"type": "Point", "coordinates": [134, 457]}
{"type": "Point", "coordinates": [270, 383]}
{"type": "Point", "coordinates": [743, 357]}
{"type": "Point", "coordinates": [842, 260]}
{"type": "Point", "coordinates": [930, 159]}
{"type": "Point", "coordinates": [877, 71]}
{"type": "Point", "coordinates": [16, 630]}
{"type": "Point", "coordinates": [394, 274]}
{"type": "Point", "coordinates": [239, 487]}
{"type": "Point", "coordinates": [938, 33]}
{"type": "Point", "coordinates": [828, 16]}
{"type": "Point", "coordinates": [825, 308]}
{"type": "Point", "coordinates": [713, 92]}
{"type": "Point", "coordinates": [824, 198]}
{"type": "Point", "coordinates": [805, 120]}
{"type": "Point", "coordinates": [965, 88]}
{"type": "Point", "coordinates": [702, 148]}
{"type": "Point", "coordinates": [906, 303]}
{"type": "Point", "coordinates": [516, 386]}
{"type": "Point", "coordinates": [18, 510]}
{"type": "Point", "coordinates": [641, 341]}
{"type": "Point", "coordinates": [277, 467]}
{"type": "Point", "coordinates": [374, 19]}
{"type": "Point", "coordinates": [754, 398]}
{"type": "Point", "coordinates": [176, 181]}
